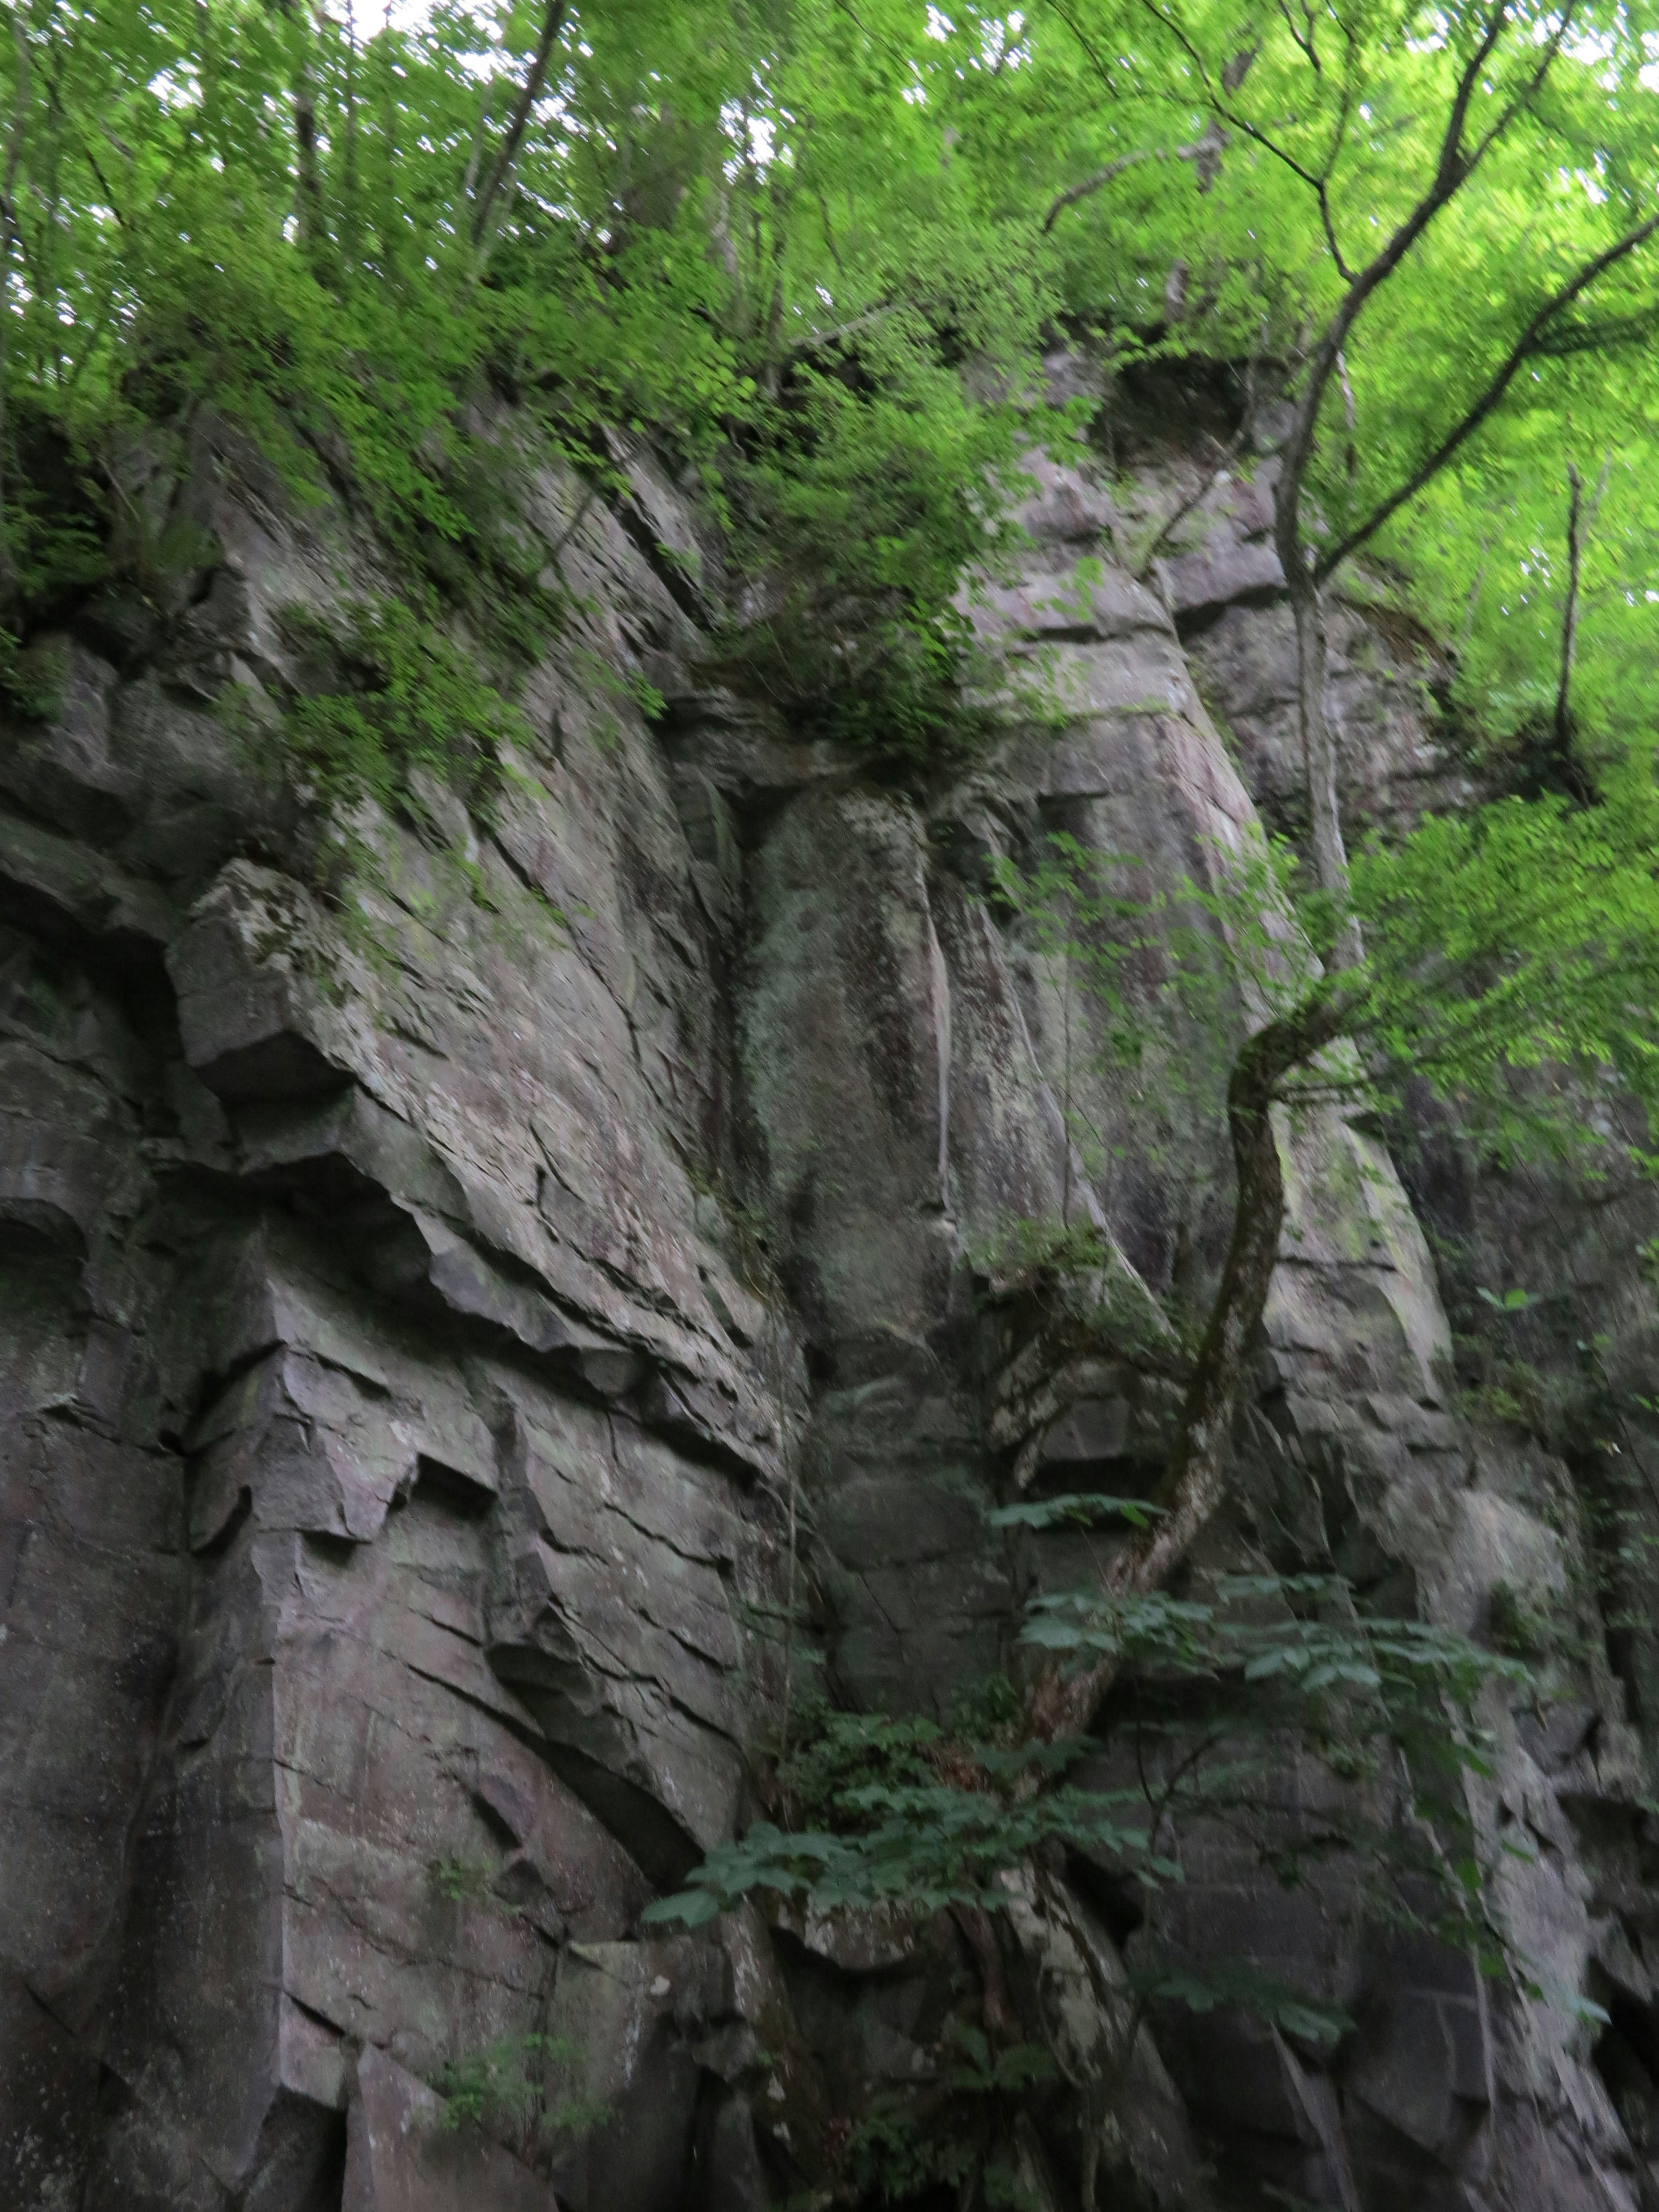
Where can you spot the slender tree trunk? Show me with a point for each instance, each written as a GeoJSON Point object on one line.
{"type": "Point", "coordinates": [310, 207]}
{"type": "Point", "coordinates": [1569, 614]}
{"type": "Point", "coordinates": [501, 167]}
{"type": "Point", "coordinates": [1195, 1481]}
{"type": "Point", "coordinates": [48, 168]}
{"type": "Point", "coordinates": [349, 227]}
{"type": "Point", "coordinates": [386, 219]}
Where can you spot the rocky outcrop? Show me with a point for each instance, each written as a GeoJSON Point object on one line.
{"type": "Point", "coordinates": [473, 1335]}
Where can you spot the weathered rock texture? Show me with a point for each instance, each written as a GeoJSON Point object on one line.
{"type": "Point", "coordinates": [430, 1310]}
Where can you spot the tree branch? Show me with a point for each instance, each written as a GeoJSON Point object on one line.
{"type": "Point", "coordinates": [1532, 341]}
{"type": "Point", "coordinates": [1453, 168]}
{"type": "Point", "coordinates": [529, 92]}
{"type": "Point", "coordinates": [1172, 523]}
{"type": "Point", "coordinates": [1205, 154]}
{"type": "Point", "coordinates": [1076, 193]}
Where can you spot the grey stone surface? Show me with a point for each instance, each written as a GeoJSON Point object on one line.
{"type": "Point", "coordinates": [401, 2156]}
{"type": "Point", "coordinates": [425, 1309]}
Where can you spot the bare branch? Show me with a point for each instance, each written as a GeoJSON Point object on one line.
{"type": "Point", "coordinates": [818, 340]}
{"type": "Point", "coordinates": [1204, 155]}
{"type": "Point", "coordinates": [1112, 169]}
{"type": "Point", "coordinates": [1167, 528]}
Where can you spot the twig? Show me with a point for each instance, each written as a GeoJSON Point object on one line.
{"type": "Point", "coordinates": [1205, 154]}
{"type": "Point", "coordinates": [1076, 193]}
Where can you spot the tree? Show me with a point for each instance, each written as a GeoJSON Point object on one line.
{"type": "Point", "coordinates": [1519, 942]}
{"type": "Point", "coordinates": [1312, 92]}
{"type": "Point", "coordinates": [906, 1819]}
{"type": "Point", "coordinates": [1520, 938]}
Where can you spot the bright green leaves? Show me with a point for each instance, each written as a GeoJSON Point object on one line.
{"type": "Point", "coordinates": [1216, 1685]}
{"type": "Point", "coordinates": [861, 510]}
{"type": "Point", "coordinates": [927, 1848]}
{"type": "Point", "coordinates": [1521, 939]}
{"type": "Point", "coordinates": [1077, 1509]}
{"type": "Point", "coordinates": [1327, 126]}
{"type": "Point", "coordinates": [1505, 949]}
{"type": "Point", "coordinates": [515, 2089]}
{"type": "Point", "coordinates": [392, 698]}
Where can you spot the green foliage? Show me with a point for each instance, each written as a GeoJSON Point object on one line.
{"type": "Point", "coordinates": [915, 1819]}
{"type": "Point", "coordinates": [1517, 1625]}
{"type": "Point", "coordinates": [990, 1710]}
{"type": "Point", "coordinates": [504, 2089]}
{"type": "Point", "coordinates": [461, 1881]}
{"type": "Point", "coordinates": [1504, 949]}
{"type": "Point", "coordinates": [891, 2156]}
{"type": "Point", "coordinates": [923, 1846]}
{"type": "Point", "coordinates": [820, 254]}
{"type": "Point", "coordinates": [395, 697]}
{"type": "Point", "coordinates": [864, 510]}
{"type": "Point", "coordinates": [1520, 938]}
{"type": "Point", "coordinates": [981, 2071]}
{"type": "Point", "coordinates": [1511, 1302]}
{"type": "Point", "coordinates": [836, 1756]}
{"type": "Point", "coordinates": [1027, 1248]}
{"type": "Point", "coordinates": [897, 2152]}
{"type": "Point", "coordinates": [1236, 1982]}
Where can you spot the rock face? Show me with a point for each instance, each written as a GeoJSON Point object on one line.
{"type": "Point", "coordinates": [471, 1340]}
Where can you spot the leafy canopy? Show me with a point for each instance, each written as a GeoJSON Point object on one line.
{"type": "Point", "coordinates": [820, 253]}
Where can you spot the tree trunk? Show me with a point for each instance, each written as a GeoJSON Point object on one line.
{"type": "Point", "coordinates": [1570, 617]}
{"type": "Point", "coordinates": [1195, 1481]}
{"type": "Point", "coordinates": [1330, 852]}
{"type": "Point", "coordinates": [517, 123]}
{"type": "Point", "coordinates": [310, 208]}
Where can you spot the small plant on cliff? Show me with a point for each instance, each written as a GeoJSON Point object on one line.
{"type": "Point", "coordinates": [896, 2154]}
{"type": "Point", "coordinates": [511, 2088]}
{"type": "Point", "coordinates": [393, 697]}
{"type": "Point", "coordinates": [906, 1815]}
{"type": "Point", "coordinates": [870, 498]}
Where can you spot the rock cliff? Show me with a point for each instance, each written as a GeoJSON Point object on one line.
{"type": "Point", "coordinates": [471, 1340]}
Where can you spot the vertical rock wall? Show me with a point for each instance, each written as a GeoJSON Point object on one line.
{"type": "Point", "coordinates": [429, 1312]}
